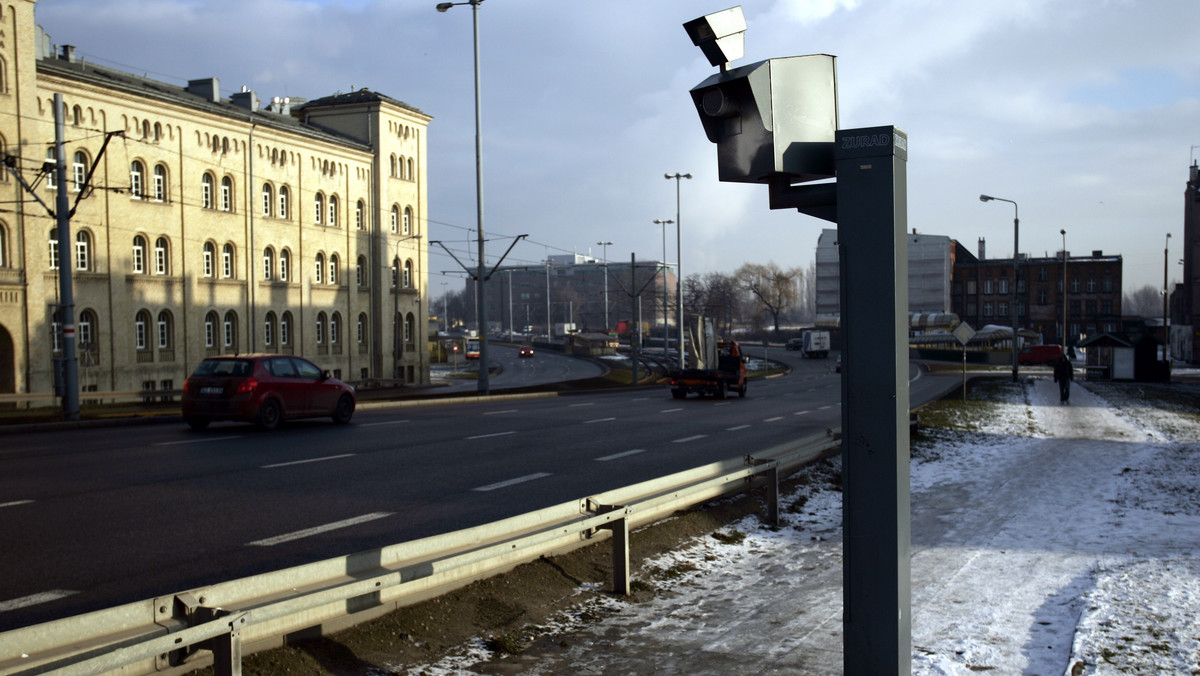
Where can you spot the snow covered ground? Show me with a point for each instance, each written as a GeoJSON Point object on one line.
{"type": "Point", "coordinates": [1046, 539]}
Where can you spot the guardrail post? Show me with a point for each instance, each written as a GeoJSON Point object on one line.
{"type": "Point", "coordinates": [620, 550]}
{"type": "Point", "coordinates": [771, 476]}
{"type": "Point", "coordinates": [227, 650]}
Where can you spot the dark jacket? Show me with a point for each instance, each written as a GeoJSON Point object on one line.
{"type": "Point", "coordinates": [1063, 372]}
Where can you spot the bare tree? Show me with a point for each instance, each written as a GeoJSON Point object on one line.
{"type": "Point", "coordinates": [774, 290]}
{"type": "Point", "coordinates": [714, 295]}
{"type": "Point", "coordinates": [1143, 302]}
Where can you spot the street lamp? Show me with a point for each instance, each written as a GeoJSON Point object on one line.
{"type": "Point", "coordinates": [665, 295]}
{"type": "Point", "coordinates": [1166, 298]}
{"type": "Point", "coordinates": [605, 245]}
{"type": "Point", "coordinates": [480, 305]}
{"type": "Point", "coordinates": [1064, 291]}
{"type": "Point", "coordinates": [1016, 272]}
{"type": "Point", "coordinates": [678, 268]}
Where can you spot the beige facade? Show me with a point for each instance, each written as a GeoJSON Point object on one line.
{"type": "Point", "coordinates": [210, 225]}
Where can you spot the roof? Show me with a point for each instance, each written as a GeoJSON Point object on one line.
{"type": "Point", "coordinates": [1106, 339]}
{"type": "Point", "coordinates": [363, 95]}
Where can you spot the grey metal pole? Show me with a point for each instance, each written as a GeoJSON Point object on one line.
{"type": "Point", "coordinates": [605, 245]}
{"type": "Point", "coordinates": [481, 305]}
{"type": "Point", "coordinates": [1166, 300]}
{"type": "Point", "coordinates": [678, 268]}
{"type": "Point", "coordinates": [665, 295]}
{"type": "Point", "coordinates": [1064, 291]}
{"type": "Point", "coordinates": [1016, 322]}
{"type": "Point", "coordinates": [62, 214]}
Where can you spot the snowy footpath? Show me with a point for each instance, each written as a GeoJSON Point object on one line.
{"type": "Point", "coordinates": [1046, 539]}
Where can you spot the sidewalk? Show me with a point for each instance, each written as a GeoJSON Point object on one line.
{"type": "Point", "coordinates": [1048, 539]}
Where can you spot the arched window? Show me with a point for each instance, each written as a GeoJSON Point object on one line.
{"type": "Point", "coordinates": [285, 198]}
{"type": "Point", "coordinates": [285, 329]}
{"type": "Point", "coordinates": [320, 268]}
{"type": "Point", "coordinates": [268, 263]}
{"type": "Point", "coordinates": [141, 328]}
{"type": "Point", "coordinates": [77, 116]}
{"type": "Point", "coordinates": [139, 255]}
{"type": "Point", "coordinates": [229, 331]}
{"type": "Point", "coordinates": [333, 268]}
{"type": "Point", "coordinates": [79, 166]}
{"type": "Point", "coordinates": [394, 172]}
{"type": "Point", "coordinates": [318, 207]}
{"type": "Point", "coordinates": [226, 194]}
{"type": "Point", "coordinates": [162, 259]}
{"type": "Point", "coordinates": [332, 221]}
{"type": "Point", "coordinates": [53, 248]}
{"type": "Point", "coordinates": [360, 271]}
{"type": "Point", "coordinates": [210, 329]}
{"type": "Point", "coordinates": [52, 177]}
{"type": "Point", "coordinates": [285, 264]}
{"type": "Point", "coordinates": [83, 250]}
{"type": "Point", "coordinates": [4, 262]}
{"type": "Point", "coordinates": [320, 328]}
{"type": "Point", "coordinates": [412, 175]}
{"type": "Point", "coordinates": [408, 274]}
{"type": "Point", "coordinates": [166, 330]}
{"type": "Point", "coordinates": [359, 208]}
{"type": "Point", "coordinates": [268, 196]}
{"type": "Point", "coordinates": [86, 330]}
{"type": "Point", "coordinates": [408, 220]}
{"type": "Point", "coordinates": [160, 183]}
{"type": "Point", "coordinates": [137, 179]}
{"type": "Point", "coordinates": [269, 329]}
{"type": "Point", "coordinates": [395, 218]}
{"type": "Point", "coordinates": [145, 128]}
{"type": "Point", "coordinates": [361, 332]}
{"type": "Point", "coordinates": [210, 258]}
{"type": "Point", "coordinates": [400, 172]}
{"type": "Point", "coordinates": [157, 131]}
{"type": "Point", "coordinates": [335, 329]}
{"type": "Point", "coordinates": [410, 325]}
{"type": "Point", "coordinates": [227, 261]}
{"type": "Point", "coordinates": [206, 191]}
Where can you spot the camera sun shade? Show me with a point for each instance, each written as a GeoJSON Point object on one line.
{"type": "Point", "coordinates": [720, 35]}
{"type": "Point", "coordinates": [773, 120]}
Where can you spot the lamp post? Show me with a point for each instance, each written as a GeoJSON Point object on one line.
{"type": "Point", "coordinates": [678, 268]}
{"type": "Point", "coordinates": [665, 295]}
{"type": "Point", "coordinates": [605, 245]}
{"type": "Point", "coordinates": [1064, 291]}
{"type": "Point", "coordinates": [480, 305]}
{"type": "Point", "coordinates": [1166, 299]}
{"type": "Point", "coordinates": [1016, 272]}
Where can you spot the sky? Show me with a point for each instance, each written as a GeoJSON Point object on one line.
{"type": "Point", "coordinates": [1084, 112]}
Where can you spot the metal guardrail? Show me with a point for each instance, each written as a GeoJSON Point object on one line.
{"type": "Point", "coordinates": [214, 624]}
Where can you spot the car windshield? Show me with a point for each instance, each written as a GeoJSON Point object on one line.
{"type": "Point", "coordinates": [224, 367]}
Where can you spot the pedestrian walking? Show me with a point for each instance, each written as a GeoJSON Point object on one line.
{"type": "Point", "coordinates": [1063, 375]}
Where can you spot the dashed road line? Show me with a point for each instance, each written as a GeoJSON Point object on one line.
{"type": "Point", "coordinates": [15, 503]}
{"type": "Point", "coordinates": [687, 439]}
{"type": "Point", "coordinates": [305, 462]}
{"type": "Point", "coordinates": [738, 427]}
{"type": "Point", "coordinates": [512, 482]}
{"type": "Point", "coordinates": [487, 436]}
{"type": "Point", "coordinates": [196, 441]}
{"type": "Point", "coordinates": [670, 410]}
{"type": "Point", "coordinates": [386, 422]}
{"type": "Point", "coordinates": [802, 412]}
{"type": "Point", "coordinates": [588, 422]}
{"type": "Point", "coordinates": [623, 454]}
{"type": "Point", "coordinates": [318, 530]}
{"type": "Point", "coordinates": [507, 410]}
{"type": "Point", "coordinates": [778, 417]}
{"type": "Point", "coordinates": [35, 599]}
{"type": "Point", "coordinates": [588, 403]}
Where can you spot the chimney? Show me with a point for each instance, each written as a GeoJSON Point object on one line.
{"type": "Point", "coordinates": [208, 88]}
{"type": "Point", "coordinates": [68, 53]}
{"type": "Point", "coordinates": [245, 99]}
{"type": "Point", "coordinates": [982, 249]}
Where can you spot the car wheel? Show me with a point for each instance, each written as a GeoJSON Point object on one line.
{"type": "Point", "coordinates": [742, 392]}
{"type": "Point", "coordinates": [678, 394]}
{"type": "Point", "coordinates": [344, 410]}
{"type": "Point", "coordinates": [197, 423]}
{"type": "Point", "coordinates": [269, 415]}
{"type": "Point", "coordinates": [720, 393]}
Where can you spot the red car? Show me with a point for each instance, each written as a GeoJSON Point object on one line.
{"type": "Point", "coordinates": [265, 389]}
{"type": "Point", "coordinates": [525, 351]}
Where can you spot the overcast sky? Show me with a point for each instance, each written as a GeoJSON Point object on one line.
{"type": "Point", "coordinates": [1085, 112]}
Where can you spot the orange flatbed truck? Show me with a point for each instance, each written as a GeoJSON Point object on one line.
{"type": "Point", "coordinates": [728, 376]}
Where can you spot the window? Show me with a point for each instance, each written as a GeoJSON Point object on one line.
{"type": "Point", "coordinates": [87, 329]}
{"type": "Point", "coordinates": [360, 270]}
{"type": "Point", "coordinates": [210, 330]}
{"type": "Point", "coordinates": [210, 254]}
{"type": "Point", "coordinates": [412, 174]}
{"type": "Point", "coordinates": [161, 249]}
{"type": "Point", "coordinates": [285, 329]}
{"type": "Point", "coordinates": [362, 329]}
{"type": "Point", "coordinates": [1091, 285]}
{"type": "Point", "coordinates": [268, 196]}
{"type": "Point", "coordinates": [285, 197]}
{"type": "Point", "coordinates": [333, 205]}
{"type": "Point", "coordinates": [410, 324]}
{"type": "Point", "coordinates": [229, 329]}
{"type": "Point", "coordinates": [1003, 286]}
{"type": "Point", "coordinates": [285, 260]}
{"type": "Point", "coordinates": [164, 330]}
{"type": "Point", "coordinates": [3, 247]}
{"type": "Point", "coordinates": [333, 268]}
{"type": "Point", "coordinates": [408, 274]}
{"type": "Point", "coordinates": [141, 324]}
{"type": "Point", "coordinates": [1041, 296]}
{"type": "Point", "coordinates": [971, 287]}
{"type": "Point", "coordinates": [268, 262]}
{"type": "Point", "coordinates": [1107, 283]}
{"type": "Point", "coordinates": [408, 218]}
{"type": "Point", "coordinates": [987, 287]}
{"type": "Point", "coordinates": [137, 173]}
{"type": "Point", "coordinates": [987, 309]}
{"type": "Point", "coordinates": [1002, 309]}
{"type": "Point", "coordinates": [394, 172]}
{"type": "Point", "coordinates": [56, 332]}
{"type": "Point", "coordinates": [83, 250]}
{"type": "Point", "coordinates": [269, 329]}
{"type": "Point", "coordinates": [227, 194]}
{"type": "Point", "coordinates": [320, 328]}
{"type": "Point", "coordinates": [227, 261]}
{"type": "Point", "coordinates": [395, 218]}
{"type": "Point", "coordinates": [1041, 274]}
{"type": "Point", "coordinates": [79, 169]}
{"type": "Point", "coordinates": [320, 269]}
{"type": "Point", "coordinates": [359, 208]}
{"type": "Point", "coordinates": [206, 191]}
{"type": "Point", "coordinates": [318, 208]}
{"type": "Point", "coordinates": [160, 183]}
{"type": "Point", "coordinates": [1074, 286]}
{"type": "Point", "coordinates": [52, 176]}
{"type": "Point", "coordinates": [335, 329]}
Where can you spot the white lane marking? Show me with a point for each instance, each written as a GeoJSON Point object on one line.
{"type": "Point", "coordinates": [687, 439]}
{"type": "Point", "coordinates": [507, 410]}
{"type": "Point", "coordinates": [196, 441]}
{"type": "Point", "coordinates": [317, 530]}
{"type": "Point", "coordinates": [305, 462]}
{"type": "Point", "coordinates": [35, 599]}
{"type": "Point", "coordinates": [14, 503]}
{"type": "Point", "coordinates": [639, 399]}
{"type": "Point", "coordinates": [590, 403]}
{"type": "Point", "coordinates": [825, 407]}
{"type": "Point", "coordinates": [623, 454]}
{"type": "Point", "coordinates": [512, 482]}
{"type": "Point", "coordinates": [778, 417]}
{"type": "Point", "coordinates": [802, 412]}
{"type": "Point", "coordinates": [386, 422]}
{"type": "Point", "coordinates": [670, 410]}
{"type": "Point", "coordinates": [587, 422]}
{"type": "Point", "coordinates": [734, 429]}
{"type": "Point", "coordinates": [496, 434]}
{"type": "Point", "coordinates": [723, 403]}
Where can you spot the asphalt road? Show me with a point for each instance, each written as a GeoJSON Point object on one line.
{"type": "Point", "coordinates": [93, 518]}
{"type": "Point", "coordinates": [545, 366]}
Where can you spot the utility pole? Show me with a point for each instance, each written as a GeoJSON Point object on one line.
{"type": "Point", "coordinates": [62, 209]}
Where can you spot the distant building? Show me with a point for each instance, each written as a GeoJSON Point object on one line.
{"type": "Point", "coordinates": [1185, 301]}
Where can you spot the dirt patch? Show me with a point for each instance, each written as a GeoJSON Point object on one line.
{"type": "Point", "coordinates": [506, 613]}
